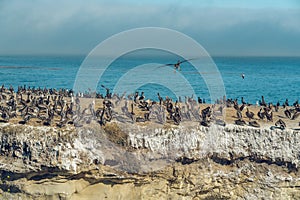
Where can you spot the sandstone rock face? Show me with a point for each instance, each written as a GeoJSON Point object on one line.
{"type": "Point", "coordinates": [225, 144]}
{"type": "Point", "coordinates": [156, 162]}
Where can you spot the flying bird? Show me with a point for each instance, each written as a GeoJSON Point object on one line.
{"type": "Point", "coordinates": [177, 64]}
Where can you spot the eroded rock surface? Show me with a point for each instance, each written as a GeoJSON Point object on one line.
{"type": "Point", "coordinates": [155, 162]}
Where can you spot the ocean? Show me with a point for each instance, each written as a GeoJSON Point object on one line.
{"type": "Point", "coordinates": [277, 78]}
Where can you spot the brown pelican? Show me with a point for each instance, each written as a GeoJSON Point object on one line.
{"type": "Point", "coordinates": [277, 106]}
{"type": "Point", "coordinates": [26, 118]}
{"type": "Point", "coordinates": [199, 100]}
{"type": "Point", "coordinates": [47, 101]}
{"type": "Point", "coordinates": [240, 122]}
{"type": "Point", "coordinates": [142, 97]}
{"type": "Point", "coordinates": [243, 101]}
{"type": "Point", "coordinates": [62, 123]}
{"type": "Point", "coordinates": [286, 103]}
{"type": "Point", "coordinates": [5, 116]}
{"type": "Point", "coordinates": [177, 64]}
{"type": "Point", "coordinates": [249, 114]}
{"type": "Point", "coordinates": [136, 97]}
{"type": "Point", "coordinates": [177, 115]}
{"type": "Point", "coordinates": [242, 107]}
{"type": "Point", "coordinates": [281, 124]}
{"type": "Point", "coordinates": [108, 94]}
{"type": "Point", "coordinates": [43, 116]}
{"type": "Point", "coordinates": [269, 114]}
{"type": "Point", "coordinates": [239, 114]}
{"type": "Point", "coordinates": [263, 103]}
{"type": "Point", "coordinates": [28, 98]}
{"type": "Point", "coordinates": [261, 114]}
{"type": "Point", "coordinates": [236, 106]}
{"type": "Point", "coordinates": [254, 124]}
{"type": "Point", "coordinates": [47, 122]}
{"type": "Point", "coordinates": [288, 113]}
{"type": "Point", "coordinates": [296, 115]}
{"type": "Point", "coordinates": [206, 114]}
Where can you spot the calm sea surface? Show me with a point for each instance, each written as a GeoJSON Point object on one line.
{"type": "Point", "coordinates": [277, 78]}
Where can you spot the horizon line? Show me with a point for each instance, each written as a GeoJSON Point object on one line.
{"type": "Point", "coordinates": [144, 56]}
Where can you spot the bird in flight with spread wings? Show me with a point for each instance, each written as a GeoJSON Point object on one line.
{"type": "Point", "coordinates": [177, 64]}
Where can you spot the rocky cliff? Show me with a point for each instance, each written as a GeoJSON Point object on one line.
{"type": "Point", "coordinates": [127, 161]}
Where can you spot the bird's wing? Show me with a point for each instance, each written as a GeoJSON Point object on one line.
{"type": "Point", "coordinates": [173, 64]}
{"type": "Point", "coordinates": [186, 60]}
{"type": "Point", "coordinates": [170, 64]}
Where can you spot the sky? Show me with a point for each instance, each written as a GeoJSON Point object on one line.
{"type": "Point", "coordinates": [223, 28]}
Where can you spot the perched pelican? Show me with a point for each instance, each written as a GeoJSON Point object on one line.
{"type": "Point", "coordinates": [263, 103]}
{"type": "Point", "coordinates": [296, 115]}
{"type": "Point", "coordinates": [286, 103]}
{"type": "Point", "coordinates": [277, 106]}
{"type": "Point", "coordinates": [243, 101]}
{"type": "Point", "coordinates": [242, 107]}
{"type": "Point", "coordinates": [249, 114]}
{"type": "Point", "coordinates": [288, 113]}
{"type": "Point", "coordinates": [240, 122]}
{"type": "Point", "coordinates": [261, 114]}
{"type": "Point", "coordinates": [269, 116]}
{"type": "Point", "coordinates": [281, 124]}
{"type": "Point", "coordinates": [239, 114]}
{"type": "Point", "coordinates": [254, 124]}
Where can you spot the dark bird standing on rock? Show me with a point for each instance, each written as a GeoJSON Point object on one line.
{"type": "Point", "coordinates": [242, 107]}
{"type": "Point", "coordinates": [269, 114]}
{"type": "Point", "coordinates": [249, 114]}
{"type": "Point", "coordinates": [281, 124]}
{"type": "Point", "coordinates": [261, 114]}
{"type": "Point", "coordinates": [263, 103]}
{"type": "Point", "coordinates": [286, 103]}
{"type": "Point", "coordinates": [243, 101]}
{"type": "Point", "coordinates": [254, 124]}
{"type": "Point", "coordinates": [240, 122]}
{"type": "Point", "coordinates": [238, 109]}
{"type": "Point", "coordinates": [288, 113]}
{"type": "Point", "coordinates": [206, 114]}
{"type": "Point", "coordinates": [239, 114]}
{"type": "Point", "coordinates": [277, 107]}
{"type": "Point", "coordinates": [296, 115]}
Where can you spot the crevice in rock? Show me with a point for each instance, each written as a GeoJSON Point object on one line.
{"type": "Point", "coordinates": [45, 173]}
{"type": "Point", "coordinates": [185, 160]}
{"type": "Point", "coordinates": [9, 188]}
{"type": "Point", "coordinates": [223, 161]}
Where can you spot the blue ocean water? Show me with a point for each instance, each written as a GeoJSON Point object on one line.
{"type": "Point", "coordinates": [277, 78]}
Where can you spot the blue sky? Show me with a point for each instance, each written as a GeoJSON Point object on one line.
{"type": "Point", "coordinates": [243, 28]}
